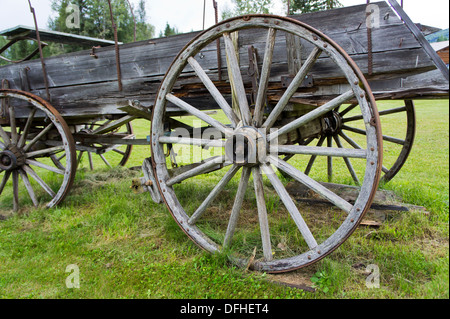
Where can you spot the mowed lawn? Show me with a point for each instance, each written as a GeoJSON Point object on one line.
{"type": "Point", "coordinates": [126, 246]}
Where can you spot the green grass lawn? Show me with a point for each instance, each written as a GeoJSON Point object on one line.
{"type": "Point", "coordinates": [125, 246]}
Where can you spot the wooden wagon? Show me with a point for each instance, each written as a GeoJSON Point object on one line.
{"type": "Point", "coordinates": [243, 100]}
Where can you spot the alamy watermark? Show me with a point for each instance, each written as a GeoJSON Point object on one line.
{"type": "Point", "coordinates": [373, 280]}
{"type": "Point", "coordinates": [73, 19]}
{"type": "Point", "coordinates": [373, 17]}
{"type": "Point", "coordinates": [73, 280]}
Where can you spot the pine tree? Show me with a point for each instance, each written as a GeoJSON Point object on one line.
{"type": "Point", "coordinates": [243, 7]}
{"type": "Point", "coordinates": [168, 31]}
{"type": "Point", "coordinates": [95, 20]}
{"type": "Point", "coordinates": [304, 6]}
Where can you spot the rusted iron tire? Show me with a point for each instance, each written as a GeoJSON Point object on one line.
{"type": "Point", "coordinates": [253, 229]}
{"type": "Point", "coordinates": [32, 138]}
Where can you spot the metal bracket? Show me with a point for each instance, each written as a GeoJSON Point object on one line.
{"type": "Point", "coordinates": [308, 82]}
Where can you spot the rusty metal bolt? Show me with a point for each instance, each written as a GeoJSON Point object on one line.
{"type": "Point", "coordinates": [148, 183]}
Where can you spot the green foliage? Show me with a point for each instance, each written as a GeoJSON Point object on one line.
{"type": "Point", "coordinates": [168, 31]}
{"type": "Point", "coordinates": [17, 51]}
{"type": "Point", "coordinates": [321, 281]}
{"type": "Point", "coordinates": [242, 7]}
{"type": "Point", "coordinates": [95, 20]}
{"type": "Point", "coordinates": [304, 6]}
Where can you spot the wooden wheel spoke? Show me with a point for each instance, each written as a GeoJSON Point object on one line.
{"type": "Point", "coordinates": [45, 166]}
{"type": "Point", "coordinates": [349, 140]}
{"type": "Point", "coordinates": [262, 214]}
{"type": "Point", "coordinates": [199, 114]}
{"type": "Point", "coordinates": [12, 124]}
{"type": "Point", "coordinates": [28, 186]}
{"type": "Point", "coordinates": [105, 160]}
{"type": "Point", "coordinates": [319, 151]}
{"type": "Point", "coordinates": [290, 206]}
{"type": "Point", "coordinates": [57, 162]}
{"type": "Point", "coordinates": [381, 113]}
{"type": "Point", "coordinates": [327, 107]}
{"type": "Point", "coordinates": [45, 151]}
{"type": "Point", "coordinates": [118, 151]}
{"type": "Point", "coordinates": [264, 80]}
{"type": "Point", "coordinates": [4, 181]}
{"type": "Point", "coordinates": [347, 162]}
{"type": "Point", "coordinates": [236, 79]}
{"type": "Point", "coordinates": [218, 97]}
{"type": "Point", "coordinates": [313, 157]}
{"type": "Point", "coordinates": [239, 199]}
{"type": "Point", "coordinates": [61, 157]}
{"type": "Point", "coordinates": [214, 193]}
{"type": "Point", "coordinates": [80, 156]}
{"type": "Point", "coordinates": [191, 141]}
{"type": "Point", "coordinates": [385, 137]}
{"type": "Point", "coordinates": [15, 182]}
{"type": "Point", "coordinates": [203, 167]}
{"type": "Point", "coordinates": [91, 162]}
{"type": "Point", "coordinates": [330, 159]}
{"type": "Point", "coordinates": [39, 180]}
{"type": "Point", "coordinates": [348, 109]}
{"type": "Point", "coordinates": [393, 111]}
{"type": "Point", "coordinates": [23, 137]}
{"type": "Point", "coordinates": [311, 183]}
{"type": "Point", "coordinates": [4, 136]}
{"type": "Point", "coordinates": [290, 91]}
{"type": "Point", "coordinates": [393, 140]}
{"type": "Point", "coordinates": [38, 137]}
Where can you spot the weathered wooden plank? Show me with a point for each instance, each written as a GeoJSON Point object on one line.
{"type": "Point", "coordinates": [150, 60]}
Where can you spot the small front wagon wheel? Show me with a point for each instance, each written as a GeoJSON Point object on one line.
{"type": "Point", "coordinates": [227, 194]}
{"type": "Point", "coordinates": [36, 150]}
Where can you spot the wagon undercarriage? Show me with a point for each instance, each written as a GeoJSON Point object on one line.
{"type": "Point", "coordinates": [252, 103]}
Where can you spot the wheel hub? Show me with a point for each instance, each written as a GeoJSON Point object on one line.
{"type": "Point", "coordinates": [247, 147]}
{"type": "Point", "coordinates": [333, 123]}
{"type": "Point", "coordinates": [11, 158]}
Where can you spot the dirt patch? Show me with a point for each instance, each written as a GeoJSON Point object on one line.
{"type": "Point", "coordinates": [300, 279]}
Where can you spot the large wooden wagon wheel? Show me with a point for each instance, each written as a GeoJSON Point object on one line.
{"type": "Point", "coordinates": [103, 154]}
{"type": "Point", "coordinates": [259, 223]}
{"type": "Point", "coordinates": [32, 136]}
